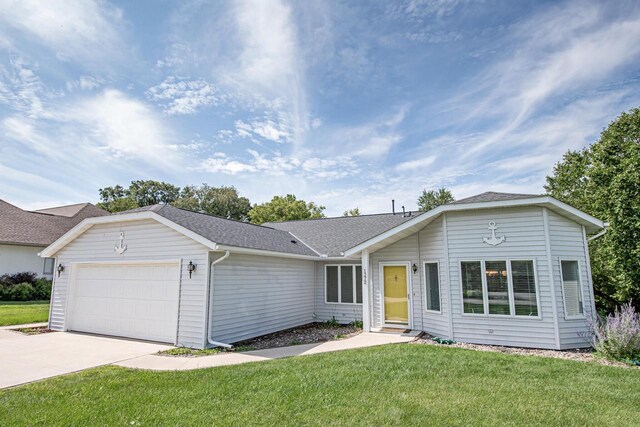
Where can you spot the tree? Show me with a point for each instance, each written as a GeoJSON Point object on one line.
{"type": "Point", "coordinates": [352, 212]}
{"type": "Point", "coordinates": [285, 208]}
{"type": "Point", "coordinates": [432, 199]}
{"type": "Point", "coordinates": [604, 181]}
{"type": "Point", "coordinates": [222, 201]}
{"type": "Point", "coordinates": [139, 193]}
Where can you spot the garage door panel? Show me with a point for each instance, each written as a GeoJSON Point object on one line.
{"type": "Point", "coordinates": [136, 301]}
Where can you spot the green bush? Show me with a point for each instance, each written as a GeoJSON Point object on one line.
{"type": "Point", "coordinates": [21, 292]}
{"type": "Point", "coordinates": [617, 336]}
{"type": "Point", "coordinates": [42, 289]}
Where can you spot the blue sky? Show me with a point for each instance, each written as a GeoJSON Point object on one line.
{"type": "Point", "coordinates": [343, 103]}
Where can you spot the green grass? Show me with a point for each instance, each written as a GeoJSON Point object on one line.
{"type": "Point", "coordinates": [21, 312]}
{"type": "Point", "coordinates": [388, 385]}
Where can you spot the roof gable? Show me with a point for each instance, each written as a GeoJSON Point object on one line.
{"type": "Point", "coordinates": [38, 228]}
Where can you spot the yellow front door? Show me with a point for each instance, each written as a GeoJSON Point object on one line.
{"type": "Point", "coordinates": [396, 306]}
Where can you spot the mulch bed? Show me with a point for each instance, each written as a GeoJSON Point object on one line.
{"type": "Point", "coordinates": [581, 355]}
{"type": "Point", "coordinates": [33, 331]}
{"type": "Point", "coordinates": [307, 334]}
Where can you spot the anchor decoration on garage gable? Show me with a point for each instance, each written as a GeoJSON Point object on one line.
{"type": "Point", "coordinates": [493, 240]}
{"type": "Point", "coordinates": [121, 247]}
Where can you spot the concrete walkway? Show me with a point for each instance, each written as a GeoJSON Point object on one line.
{"type": "Point", "coordinates": [167, 363]}
{"type": "Point", "coordinates": [27, 358]}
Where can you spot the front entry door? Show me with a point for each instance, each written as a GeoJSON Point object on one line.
{"type": "Point", "coordinates": [396, 305]}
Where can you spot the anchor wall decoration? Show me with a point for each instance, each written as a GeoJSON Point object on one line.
{"type": "Point", "coordinates": [121, 246]}
{"type": "Point", "coordinates": [493, 240]}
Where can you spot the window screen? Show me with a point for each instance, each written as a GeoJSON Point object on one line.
{"type": "Point", "coordinates": [332, 283]}
{"type": "Point", "coordinates": [524, 288]}
{"type": "Point", "coordinates": [497, 287]}
{"type": "Point", "coordinates": [346, 283]}
{"type": "Point", "coordinates": [359, 284]}
{"type": "Point", "coordinates": [432, 286]}
{"type": "Point", "coordinates": [472, 295]}
{"type": "Point", "coordinates": [571, 288]}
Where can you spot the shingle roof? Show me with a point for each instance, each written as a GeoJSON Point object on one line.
{"type": "Point", "coordinates": [332, 236]}
{"type": "Point", "coordinates": [18, 226]}
{"type": "Point", "coordinates": [491, 196]}
{"type": "Point", "coordinates": [231, 233]}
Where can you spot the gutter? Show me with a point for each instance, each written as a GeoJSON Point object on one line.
{"type": "Point", "coordinates": [600, 234]}
{"type": "Point", "coordinates": [209, 311]}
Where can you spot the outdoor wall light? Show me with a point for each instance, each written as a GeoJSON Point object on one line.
{"type": "Point", "coordinates": [60, 269]}
{"type": "Point", "coordinates": [414, 268]}
{"type": "Point", "coordinates": [191, 268]}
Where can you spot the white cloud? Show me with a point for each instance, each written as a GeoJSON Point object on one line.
{"type": "Point", "coordinates": [411, 165]}
{"type": "Point", "coordinates": [123, 126]}
{"type": "Point", "coordinates": [279, 165]}
{"type": "Point", "coordinates": [86, 83]}
{"type": "Point", "coordinates": [266, 128]}
{"type": "Point", "coordinates": [185, 96]}
{"type": "Point", "coordinates": [86, 32]}
{"type": "Point", "coordinates": [21, 89]}
{"type": "Point", "coordinates": [564, 50]}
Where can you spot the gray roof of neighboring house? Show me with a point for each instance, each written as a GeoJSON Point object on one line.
{"type": "Point", "coordinates": [229, 232]}
{"type": "Point", "coordinates": [39, 228]}
{"type": "Point", "coordinates": [491, 196]}
{"type": "Point", "coordinates": [332, 236]}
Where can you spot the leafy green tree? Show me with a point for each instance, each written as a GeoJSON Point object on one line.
{"type": "Point", "coordinates": [151, 192]}
{"type": "Point", "coordinates": [222, 201]}
{"type": "Point", "coordinates": [285, 208]}
{"type": "Point", "coordinates": [352, 212]}
{"type": "Point", "coordinates": [139, 193]}
{"type": "Point", "coordinates": [116, 199]}
{"type": "Point", "coordinates": [432, 199]}
{"type": "Point", "coordinates": [604, 181]}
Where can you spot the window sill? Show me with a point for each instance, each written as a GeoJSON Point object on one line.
{"type": "Point", "coordinates": [343, 303]}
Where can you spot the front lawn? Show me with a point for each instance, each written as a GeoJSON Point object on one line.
{"type": "Point", "coordinates": [21, 312]}
{"type": "Point", "coordinates": [394, 384]}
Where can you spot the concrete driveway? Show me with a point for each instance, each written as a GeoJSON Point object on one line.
{"type": "Point", "coordinates": [30, 358]}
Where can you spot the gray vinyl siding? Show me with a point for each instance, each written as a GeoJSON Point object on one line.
{"type": "Point", "coordinates": [432, 250]}
{"type": "Point", "coordinates": [567, 243]}
{"type": "Point", "coordinates": [525, 239]}
{"type": "Point", "coordinates": [344, 313]}
{"type": "Point", "coordinates": [257, 295]}
{"type": "Point", "coordinates": [145, 240]}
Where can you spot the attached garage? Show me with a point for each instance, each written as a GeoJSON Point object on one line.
{"type": "Point", "coordinates": [133, 300]}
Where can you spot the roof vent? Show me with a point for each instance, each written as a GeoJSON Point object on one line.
{"type": "Point", "coordinates": [294, 242]}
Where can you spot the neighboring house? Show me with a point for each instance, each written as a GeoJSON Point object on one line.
{"type": "Point", "coordinates": [23, 234]}
{"type": "Point", "coordinates": [505, 269]}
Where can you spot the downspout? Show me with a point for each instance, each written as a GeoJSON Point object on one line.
{"type": "Point", "coordinates": [209, 312]}
{"type": "Point", "coordinates": [602, 233]}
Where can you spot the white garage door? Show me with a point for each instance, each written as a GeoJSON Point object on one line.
{"type": "Point", "coordinates": [127, 300]}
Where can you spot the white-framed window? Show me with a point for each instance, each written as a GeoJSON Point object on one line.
{"type": "Point", "coordinates": [499, 288]}
{"type": "Point", "coordinates": [432, 286]}
{"type": "Point", "coordinates": [571, 288]}
{"type": "Point", "coordinates": [48, 265]}
{"type": "Point", "coordinates": [343, 284]}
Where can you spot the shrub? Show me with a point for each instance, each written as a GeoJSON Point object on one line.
{"type": "Point", "coordinates": [21, 292]}
{"type": "Point", "coordinates": [17, 278]}
{"type": "Point", "coordinates": [42, 289]}
{"type": "Point", "coordinates": [617, 336]}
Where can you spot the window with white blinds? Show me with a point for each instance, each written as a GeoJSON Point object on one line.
{"type": "Point", "coordinates": [571, 288]}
